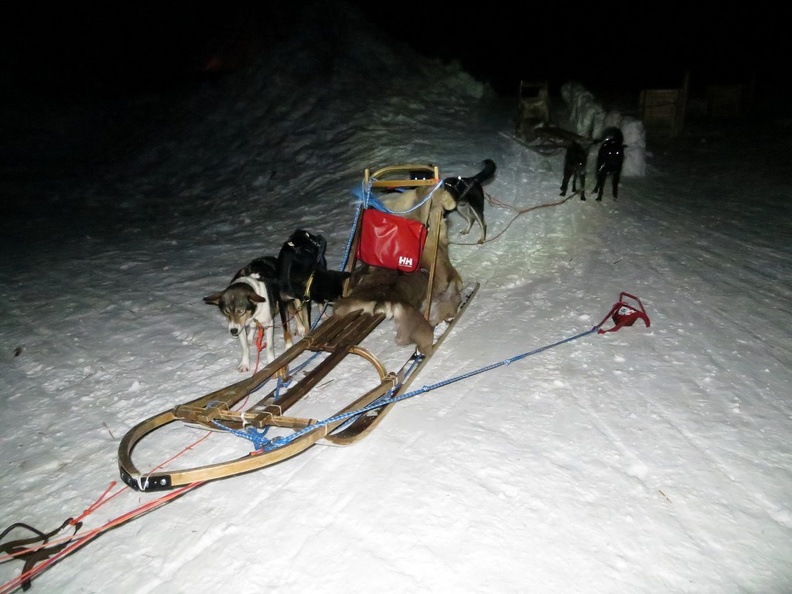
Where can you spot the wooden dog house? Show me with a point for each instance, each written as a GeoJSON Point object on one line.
{"type": "Point", "coordinates": [663, 110]}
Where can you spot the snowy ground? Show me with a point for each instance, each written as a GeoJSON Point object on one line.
{"type": "Point", "coordinates": [647, 460]}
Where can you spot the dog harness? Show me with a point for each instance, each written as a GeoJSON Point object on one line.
{"type": "Point", "coordinates": [467, 189]}
{"type": "Point", "coordinates": [307, 295]}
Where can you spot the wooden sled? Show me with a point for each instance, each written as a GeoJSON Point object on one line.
{"type": "Point", "coordinates": [335, 339]}
{"type": "Point", "coordinates": [549, 140]}
{"type": "Point", "coordinates": [534, 127]}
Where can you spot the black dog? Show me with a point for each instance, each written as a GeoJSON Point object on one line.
{"type": "Point", "coordinates": [303, 277]}
{"type": "Point", "coordinates": [609, 160]}
{"type": "Point", "coordinates": [469, 196]}
{"type": "Point", "coordinates": [575, 167]}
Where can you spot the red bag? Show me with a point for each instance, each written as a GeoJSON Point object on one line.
{"type": "Point", "coordinates": [391, 241]}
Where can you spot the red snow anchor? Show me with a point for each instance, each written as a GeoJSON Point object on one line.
{"type": "Point", "coordinates": [624, 314]}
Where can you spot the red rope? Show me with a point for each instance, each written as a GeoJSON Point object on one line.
{"type": "Point", "coordinates": [81, 541]}
{"type": "Point", "coordinates": [260, 345]}
{"type": "Point", "coordinates": [495, 201]}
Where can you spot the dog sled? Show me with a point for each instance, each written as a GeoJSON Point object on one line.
{"type": "Point", "coordinates": [298, 371]}
{"type": "Point", "coordinates": [534, 127]}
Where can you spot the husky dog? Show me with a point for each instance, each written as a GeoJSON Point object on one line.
{"type": "Point", "coordinates": [251, 301]}
{"type": "Point", "coordinates": [469, 197]}
{"type": "Point", "coordinates": [575, 167]}
{"type": "Point", "coordinates": [303, 277]}
{"type": "Point", "coordinates": [610, 158]}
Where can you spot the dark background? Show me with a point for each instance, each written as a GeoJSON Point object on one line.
{"type": "Point", "coordinates": [78, 78]}
{"type": "Point", "coordinates": [93, 47]}
{"type": "Point", "coordinates": [616, 45]}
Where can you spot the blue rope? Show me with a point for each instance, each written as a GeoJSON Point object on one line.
{"type": "Point", "coordinates": [348, 249]}
{"type": "Point", "coordinates": [251, 433]}
{"type": "Point", "coordinates": [366, 199]}
{"type": "Point", "coordinates": [385, 400]}
{"type": "Point", "coordinates": [280, 383]}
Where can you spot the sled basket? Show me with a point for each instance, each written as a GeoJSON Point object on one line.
{"type": "Point", "coordinates": [624, 314]}
{"type": "Point", "coordinates": [387, 239]}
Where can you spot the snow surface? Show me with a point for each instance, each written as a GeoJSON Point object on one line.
{"type": "Point", "coordinates": [646, 460]}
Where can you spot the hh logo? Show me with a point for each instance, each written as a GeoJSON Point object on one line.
{"type": "Point", "coordinates": [405, 261]}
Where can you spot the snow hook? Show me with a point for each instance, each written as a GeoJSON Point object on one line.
{"type": "Point", "coordinates": [624, 314]}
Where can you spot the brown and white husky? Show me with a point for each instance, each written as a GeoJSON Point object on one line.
{"type": "Point", "coordinates": [251, 301]}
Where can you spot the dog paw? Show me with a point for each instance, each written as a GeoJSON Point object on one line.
{"type": "Point", "coordinates": [426, 349]}
{"type": "Point", "coordinates": [243, 368]}
{"type": "Point", "coordinates": [402, 339]}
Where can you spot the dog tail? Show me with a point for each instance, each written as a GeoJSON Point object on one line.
{"type": "Point", "coordinates": [486, 173]}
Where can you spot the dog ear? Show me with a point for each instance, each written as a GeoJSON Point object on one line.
{"type": "Point", "coordinates": [256, 298]}
{"type": "Point", "coordinates": [213, 299]}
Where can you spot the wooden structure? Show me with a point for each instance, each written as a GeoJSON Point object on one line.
{"type": "Point", "coordinates": [725, 100]}
{"type": "Point", "coordinates": [533, 109]}
{"type": "Point", "coordinates": [663, 110]}
{"type": "Point", "coordinates": [226, 410]}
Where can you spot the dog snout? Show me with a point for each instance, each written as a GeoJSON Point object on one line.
{"type": "Point", "coordinates": [234, 331]}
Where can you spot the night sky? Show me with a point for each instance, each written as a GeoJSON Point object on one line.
{"type": "Point", "coordinates": [123, 47]}
{"type": "Point", "coordinates": [68, 70]}
{"type": "Point", "coordinates": [616, 44]}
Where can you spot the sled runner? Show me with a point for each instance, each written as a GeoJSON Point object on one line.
{"type": "Point", "coordinates": [548, 140]}
{"type": "Point", "coordinates": [321, 350]}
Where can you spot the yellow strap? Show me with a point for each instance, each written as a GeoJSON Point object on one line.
{"type": "Point", "coordinates": [308, 283]}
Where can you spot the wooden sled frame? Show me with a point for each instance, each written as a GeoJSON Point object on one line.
{"type": "Point", "coordinates": [417, 177]}
{"type": "Point", "coordinates": [381, 178]}
{"type": "Point", "coordinates": [336, 336]}
{"type": "Point", "coordinates": [533, 109]}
